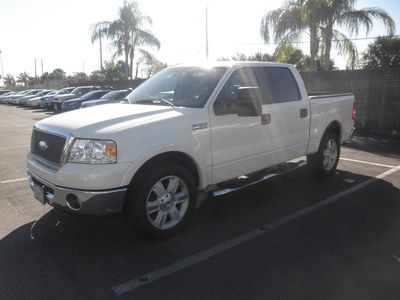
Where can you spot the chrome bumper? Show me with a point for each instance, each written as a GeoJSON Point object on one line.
{"type": "Point", "coordinates": [95, 203]}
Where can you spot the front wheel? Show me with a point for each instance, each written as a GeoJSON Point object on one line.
{"type": "Point", "coordinates": [325, 161]}
{"type": "Point", "coordinates": [162, 200]}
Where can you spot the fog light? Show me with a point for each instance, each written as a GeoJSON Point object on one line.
{"type": "Point", "coordinates": [72, 202]}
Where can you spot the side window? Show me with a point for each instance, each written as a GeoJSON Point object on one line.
{"type": "Point", "coordinates": [243, 77]}
{"type": "Point", "coordinates": [280, 84]}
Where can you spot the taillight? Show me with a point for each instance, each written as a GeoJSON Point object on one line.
{"type": "Point", "coordinates": [354, 112]}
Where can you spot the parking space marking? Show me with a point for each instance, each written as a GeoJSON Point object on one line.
{"type": "Point", "coordinates": [14, 147]}
{"type": "Point", "coordinates": [201, 256]}
{"type": "Point", "coordinates": [14, 180]}
{"type": "Point", "coordinates": [367, 162]}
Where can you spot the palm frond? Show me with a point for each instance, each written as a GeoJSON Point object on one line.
{"type": "Point", "coordinates": [346, 47]}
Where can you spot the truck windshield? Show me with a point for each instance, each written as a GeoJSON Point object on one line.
{"type": "Point", "coordinates": [180, 86]}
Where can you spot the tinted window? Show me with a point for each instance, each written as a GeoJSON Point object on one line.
{"type": "Point", "coordinates": [243, 77]}
{"type": "Point", "coordinates": [180, 86]}
{"type": "Point", "coordinates": [281, 86]}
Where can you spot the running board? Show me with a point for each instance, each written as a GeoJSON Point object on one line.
{"type": "Point", "coordinates": [220, 192]}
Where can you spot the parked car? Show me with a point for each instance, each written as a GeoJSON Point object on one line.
{"type": "Point", "coordinates": [75, 93]}
{"type": "Point", "coordinates": [153, 157]}
{"type": "Point", "coordinates": [76, 103]}
{"type": "Point", "coordinates": [3, 97]}
{"type": "Point", "coordinates": [24, 100]}
{"type": "Point", "coordinates": [2, 92]}
{"type": "Point", "coordinates": [17, 100]}
{"type": "Point", "coordinates": [34, 102]}
{"type": "Point", "coordinates": [16, 95]}
{"type": "Point", "coordinates": [47, 102]}
{"type": "Point", "coordinates": [111, 97]}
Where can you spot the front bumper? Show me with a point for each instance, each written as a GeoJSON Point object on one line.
{"type": "Point", "coordinates": [85, 202]}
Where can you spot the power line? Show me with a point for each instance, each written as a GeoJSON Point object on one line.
{"type": "Point", "coordinates": [305, 42]}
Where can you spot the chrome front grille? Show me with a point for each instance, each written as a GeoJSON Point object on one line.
{"type": "Point", "coordinates": [47, 146]}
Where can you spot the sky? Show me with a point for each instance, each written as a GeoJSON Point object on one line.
{"type": "Point", "coordinates": [58, 31]}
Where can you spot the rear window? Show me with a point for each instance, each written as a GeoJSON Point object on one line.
{"type": "Point", "coordinates": [281, 86]}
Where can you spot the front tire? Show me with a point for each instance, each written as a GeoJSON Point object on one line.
{"type": "Point", "coordinates": [161, 200]}
{"type": "Point", "coordinates": [325, 161]}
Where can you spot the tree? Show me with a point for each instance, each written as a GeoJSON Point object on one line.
{"type": "Point", "coordinates": [128, 35]}
{"type": "Point", "coordinates": [114, 71]}
{"type": "Point", "coordinates": [97, 76]}
{"type": "Point", "coordinates": [258, 56]}
{"type": "Point", "coordinates": [78, 78]}
{"type": "Point", "coordinates": [290, 21]}
{"type": "Point", "coordinates": [318, 18]}
{"type": "Point", "coordinates": [98, 32]}
{"type": "Point", "coordinates": [384, 52]}
{"type": "Point", "coordinates": [57, 74]}
{"type": "Point", "coordinates": [23, 78]}
{"type": "Point", "coordinates": [9, 81]}
{"type": "Point", "coordinates": [154, 66]}
{"type": "Point", "coordinates": [344, 14]}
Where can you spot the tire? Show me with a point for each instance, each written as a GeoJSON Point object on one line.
{"type": "Point", "coordinates": [161, 200]}
{"type": "Point", "coordinates": [324, 162]}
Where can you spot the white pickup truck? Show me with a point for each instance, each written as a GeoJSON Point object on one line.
{"type": "Point", "coordinates": [187, 131]}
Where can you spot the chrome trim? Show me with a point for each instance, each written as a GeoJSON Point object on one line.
{"type": "Point", "coordinates": [91, 202]}
{"type": "Point", "coordinates": [264, 178]}
{"type": "Point", "coordinates": [199, 126]}
{"type": "Point", "coordinates": [69, 138]}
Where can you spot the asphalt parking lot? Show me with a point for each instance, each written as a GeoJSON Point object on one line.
{"type": "Point", "coordinates": [294, 237]}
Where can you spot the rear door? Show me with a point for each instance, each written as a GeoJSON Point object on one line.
{"type": "Point", "coordinates": [287, 113]}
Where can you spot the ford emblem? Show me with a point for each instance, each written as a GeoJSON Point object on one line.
{"type": "Point", "coordinates": [43, 145]}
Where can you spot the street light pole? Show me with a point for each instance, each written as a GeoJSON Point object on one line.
{"type": "Point", "coordinates": [2, 72]}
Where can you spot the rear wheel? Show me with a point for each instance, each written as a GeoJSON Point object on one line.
{"type": "Point", "coordinates": [162, 200]}
{"type": "Point", "coordinates": [324, 162]}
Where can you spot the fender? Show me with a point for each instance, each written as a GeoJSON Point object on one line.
{"type": "Point", "coordinates": [205, 173]}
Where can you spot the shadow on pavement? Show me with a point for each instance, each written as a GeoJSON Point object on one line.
{"type": "Point", "coordinates": [64, 255]}
{"type": "Point", "coordinates": [375, 143]}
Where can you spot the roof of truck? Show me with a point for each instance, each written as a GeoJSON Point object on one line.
{"type": "Point", "coordinates": [231, 63]}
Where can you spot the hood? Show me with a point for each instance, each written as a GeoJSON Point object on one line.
{"type": "Point", "coordinates": [103, 120]}
{"type": "Point", "coordinates": [72, 100]}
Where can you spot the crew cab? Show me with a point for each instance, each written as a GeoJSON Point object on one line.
{"type": "Point", "coordinates": [187, 131]}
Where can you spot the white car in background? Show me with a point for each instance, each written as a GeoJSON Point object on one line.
{"type": "Point", "coordinates": [34, 102]}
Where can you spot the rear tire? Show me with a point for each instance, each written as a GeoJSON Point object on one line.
{"type": "Point", "coordinates": [325, 161]}
{"type": "Point", "coordinates": [161, 200]}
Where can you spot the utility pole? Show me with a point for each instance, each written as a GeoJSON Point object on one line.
{"type": "Point", "coordinates": [41, 63]}
{"type": "Point", "coordinates": [35, 69]}
{"type": "Point", "coordinates": [2, 73]}
{"type": "Point", "coordinates": [83, 66]}
{"type": "Point", "coordinates": [207, 32]}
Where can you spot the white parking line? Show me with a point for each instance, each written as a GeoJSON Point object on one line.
{"type": "Point", "coordinates": [367, 162]}
{"type": "Point", "coordinates": [201, 256]}
{"type": "Point", "coordinates": [14, 147]}
{"type": "Point", "coordinates": [14, 180]}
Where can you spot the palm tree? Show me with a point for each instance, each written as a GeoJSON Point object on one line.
{"type": "Point", "coordinates": [98, 31]}
{"type": "Point", "coordinates": [343, 13]}
{"type": "Point", "coordinates": [128, 35]}
{"type": "Point", "coordinates": [23, 78]}
{"type": "Point", "coordinates": [290, 21]}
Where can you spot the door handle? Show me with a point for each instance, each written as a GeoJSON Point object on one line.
{"type": "Point", "coordinates": [265, 119]}
{"type": "Point", "coordinates": [303, 112]}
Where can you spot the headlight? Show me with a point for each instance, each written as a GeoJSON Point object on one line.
{"type": "Point", "coordinates": [93, 152]}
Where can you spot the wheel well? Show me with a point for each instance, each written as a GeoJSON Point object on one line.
{"type": "Point", "coordinates": [173, 156]}
{"type": "Point", "coordinates": [335, 128]}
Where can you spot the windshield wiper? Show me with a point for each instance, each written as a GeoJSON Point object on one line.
{"type": "Point", "coordinates": [155, 101]}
